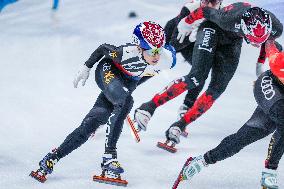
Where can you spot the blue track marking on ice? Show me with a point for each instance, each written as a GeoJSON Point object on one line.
{"type": "Point", "coordinates": [3, 3]}
{"type": "Point", "coordinates": [55, 4]}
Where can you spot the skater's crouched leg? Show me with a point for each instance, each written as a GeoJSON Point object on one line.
{"type": "Point", "coordinates": [115, 124]}
{"type": "Point", "coordinates": [114, 128]}
{"type": "Point", "coordinates": [232, 144]}
{"type": "Point", "coordinates": [96, 117]}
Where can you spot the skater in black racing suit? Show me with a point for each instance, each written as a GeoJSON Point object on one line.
{"type": "Point", "coordinates": [186, 47]}
{"type": "Point", "coordinates": [119, 71]}
{"type": "Point", "coordinates": [267, 118]}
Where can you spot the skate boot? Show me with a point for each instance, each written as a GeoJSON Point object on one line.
{"type": "Point", "coordinates": [111, 170]}
{"type": "Point", "coordinates": [193, 168]}
{"type": "Point", "coordinates": [143, 115]}
{"type": "Point", "coordinates": [173, 135]}
{"type": "Point", "coordinates": [45, 166]}
{"type": "Point", "coordinates": [269, 179]}
{"type": "Point", "coordinates": [181, 111]}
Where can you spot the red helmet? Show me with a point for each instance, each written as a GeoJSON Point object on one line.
{"type": "Point", "coordinates": [257, 25]}
{"type": "Point", "coordinates": [149, 35]}
{"type": "Point", "coordinates": [276, 64]}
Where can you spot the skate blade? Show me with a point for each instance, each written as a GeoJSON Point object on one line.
{"type": "Point", "coordinates": [265, 187]}
{"type": "Point", "coordinates": [112, 181]}
{"type": "Point", "coordinates": [134, 131]}
{"type": "Point", "coordinates": [179, 178]}
{"type": "Point", "coordinates": [40, 178]}
{"type": "Point", "coordinates": [184, 134]}
{"type": "Point", "coordinates": [166, 147]}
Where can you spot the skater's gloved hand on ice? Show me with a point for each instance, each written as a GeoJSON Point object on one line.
{"type": "Point", "coordinates": [142, 119]}
{"type": "Point", "coordinates": [83, 74]}
{"type": "Point", "coordinates": [269, 179]}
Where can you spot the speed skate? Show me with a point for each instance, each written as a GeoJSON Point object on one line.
{"type": "Point", "coordinates": [109, 177]}
{"type": "Point", "coordinates": [167, 146]}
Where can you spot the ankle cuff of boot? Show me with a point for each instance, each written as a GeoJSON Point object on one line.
{"type": "Point", "coordinates": [110, 154]}
{"type": "Point", "coordinates": [270, 165]}
{"type": "Point", "coordinates": [149, 107]}
{"type": "Point", "coordinates": [181, 124]}
{"type": "Point", "coordinates": [270, 171]}
{"type": "Point", "coordinates": [208, 160]}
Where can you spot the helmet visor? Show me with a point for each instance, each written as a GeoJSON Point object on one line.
{"type": "Point", "coordinates": [154, 51]}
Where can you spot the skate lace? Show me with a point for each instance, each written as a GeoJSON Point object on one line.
{"type": "Point", "coordinates": [112, 163]}
{"type": "Point", "coordinates": [50, 163]}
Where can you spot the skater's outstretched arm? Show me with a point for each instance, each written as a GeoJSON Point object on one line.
{"type": "Point", "coordinates": [262, 57]}
{"type": "Point", "coordinates": [171, 26]}
{"type": "Point", "coordinates": [103, 51]}
{"type": "Point", "coordinates": [236, 18]}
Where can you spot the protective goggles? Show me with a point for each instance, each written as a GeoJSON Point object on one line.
{"type": "Point", "coordinates": [154, 51]}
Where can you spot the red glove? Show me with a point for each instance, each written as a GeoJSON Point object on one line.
{"type": "Point", "coordinates": [194, 16]}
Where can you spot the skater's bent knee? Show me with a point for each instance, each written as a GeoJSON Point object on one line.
{"type": "Point", "coordinates": [98, 114]}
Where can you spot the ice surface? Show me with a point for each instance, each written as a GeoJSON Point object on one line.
{"type": "Point", "coordinates": [40, 53]}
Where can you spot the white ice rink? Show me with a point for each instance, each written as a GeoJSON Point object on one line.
{"type": "Point", "coordinates": [40, 53]}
